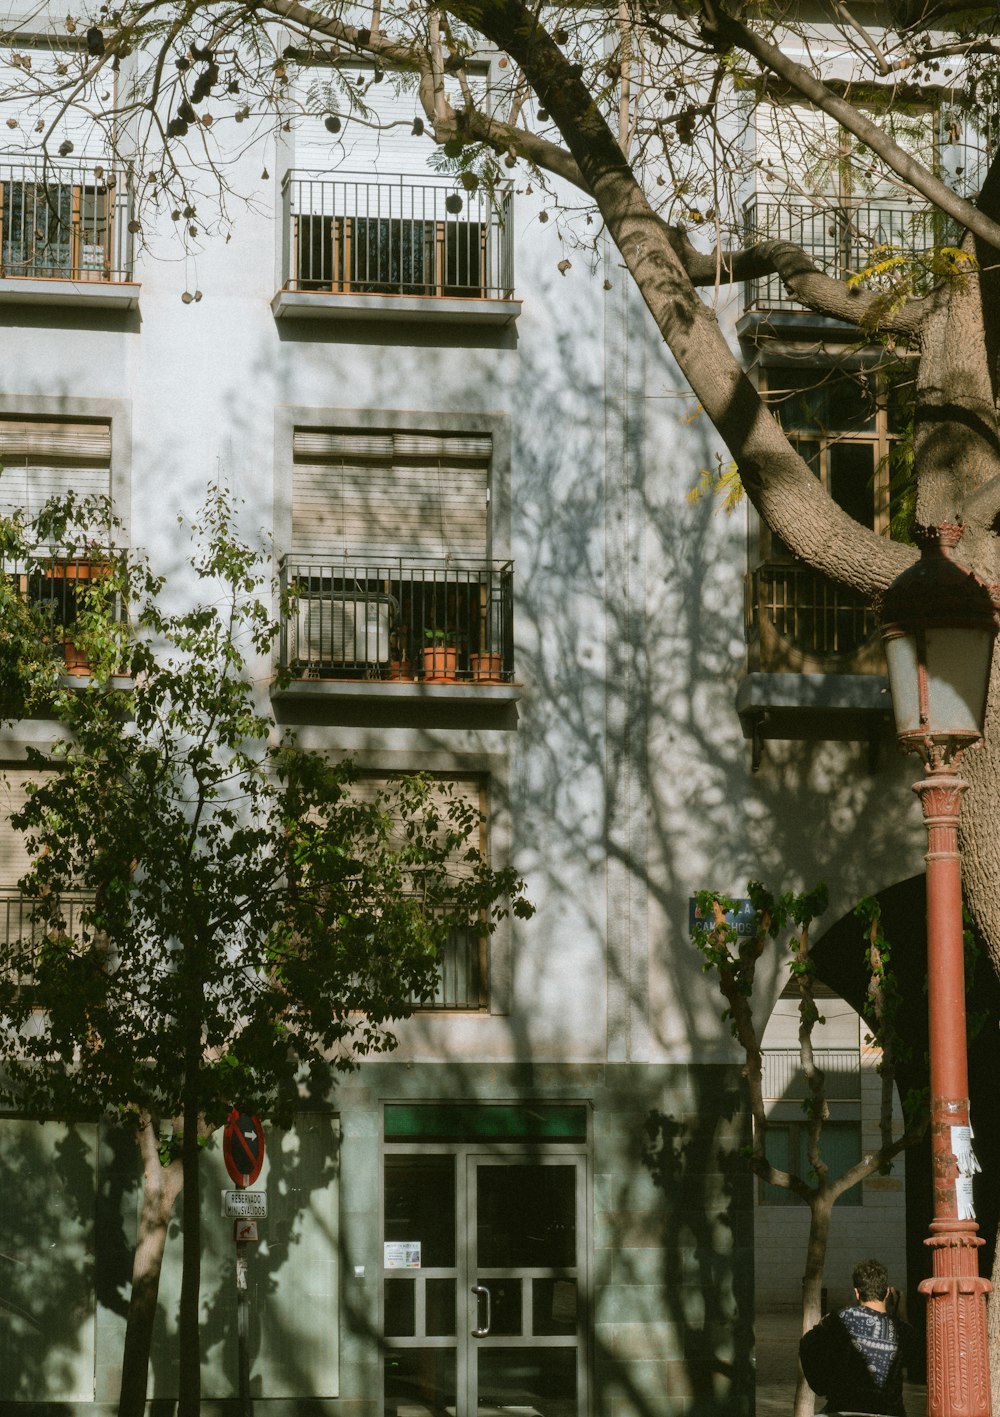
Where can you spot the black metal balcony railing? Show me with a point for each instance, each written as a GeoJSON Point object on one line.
{"type": "Point", "coordinates": [416, 619]}
{"type": "Point", "coordinates": [812, 615]}
{"type": "Point", "coordinates": [62, 220]}
{"type": "Point", "coordinates": [840, 234]}
{"type": "Point", "coordinates": [461, 969]}
{"type": "Point", "coordinates": [353, 236]}
{"type": "Point", "coordinates": [22, 933]}
{"type": "Point", "coordinates": [56, 585]}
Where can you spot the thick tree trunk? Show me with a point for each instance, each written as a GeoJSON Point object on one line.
{"type": "Point", "coordinates": [161, 1186]}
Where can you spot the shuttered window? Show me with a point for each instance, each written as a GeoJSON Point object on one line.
{"type": "Point", "coordinates": [381, 143]}
{"type": "Point", "coordinates": [384, 495]}
{"type": "Point", "coordinates": [14, 858]}
{"type": "Point", "coordinates": [26, 102]}
{"type": "Point", "coordinates": [40, 459]}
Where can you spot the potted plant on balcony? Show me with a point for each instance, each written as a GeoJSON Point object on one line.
{"type": "Point", "coordinates": [440, 655]}
{"type": "Point", "coordinates": [83, 572]}
{"type": "Point", "coordinates": [485, 666]}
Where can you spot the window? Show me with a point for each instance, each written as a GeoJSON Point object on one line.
{"type": "Point", "coordinates": [63, 203]}
{"type": "Point", "coordinates": [850, 427]}
{"type": "Point", "coordinates": [389, 574]}
{"type": "Point", "coordinates": [463, 966]}
{"type": "Point", "coordinates": [787, 1149]}
{"type": "Point", "coordinates": [366, 215]}
{"type": "Point", "coordinates": [41, 459]}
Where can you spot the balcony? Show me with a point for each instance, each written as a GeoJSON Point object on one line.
{"type": "Point", "coordinates": [64, 234]}
{"type": "Point", "coordinates": [396, 249]}
{"type": "Point", "coordinates": [815, 661]}
{"type": "Point", "coordinates": [462, 972]}
{"type": "Point", "coordinates": [23, 930]}
{"type": "Point", "coordinates": [784, 1080]}
{"type": "Point", "coordinates": [797, 620]}
{"type": "Point", "coordinates": [425, 627]}
{"type": "Point", "coordinates": [839, 234]}
{"type": "Point", "coordinates": [57, 586]}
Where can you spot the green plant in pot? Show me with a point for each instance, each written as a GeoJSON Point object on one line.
{"type": "Point", "coordinates": [440, 655]}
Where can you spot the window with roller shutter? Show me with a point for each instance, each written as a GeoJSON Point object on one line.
{"type": "Point", "coordinates": [45, 458]}
{"type": "Point", "coordinates": [390, 568]}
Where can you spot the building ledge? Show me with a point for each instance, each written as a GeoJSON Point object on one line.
{"type": "Point", "coordinates": [780, 327]}
{"type": "Point", "coordinates": [379, 691]}
{"type": "Point", "coordinates": [75, 294]}
{"type": "Point", "coordinates": [817, 707]}
{"type": "Point", "coordinates": [409, 309]}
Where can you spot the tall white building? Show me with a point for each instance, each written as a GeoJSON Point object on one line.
{"type": "Point", "coordinates": [474, 455]}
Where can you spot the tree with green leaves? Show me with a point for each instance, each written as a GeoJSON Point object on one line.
{"type": "Point", "coordinates": [244, 920]}
{"type": "Point", "coordinates": [733, 958]}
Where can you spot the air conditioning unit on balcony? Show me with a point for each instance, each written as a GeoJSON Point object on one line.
{"type": "Point", "coordinates": [343, 629]}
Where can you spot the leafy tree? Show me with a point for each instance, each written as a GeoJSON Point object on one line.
{"type": "Point", "coordinates": [733, 959]}
{"type": "Point", "coordinates": [217, 917]}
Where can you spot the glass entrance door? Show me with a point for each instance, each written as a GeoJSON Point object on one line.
{"type": "Point", "coordinates": [483, 1284]}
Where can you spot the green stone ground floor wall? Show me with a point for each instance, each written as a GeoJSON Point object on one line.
{"type": "Point", "coordinates": [656, 1301]}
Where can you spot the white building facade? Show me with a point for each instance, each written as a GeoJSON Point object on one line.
{"type": "Point", "coordinates": [537, 1203]}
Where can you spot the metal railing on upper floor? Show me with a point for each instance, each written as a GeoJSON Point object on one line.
{"type": "Point", "coordinates": [792, 608]}
{"type": "Point", "coordinates": [58, 586]}
{"type": "Point", "coordinates": [64, 221]}
{"type": "Point", "coordinates": [419, 618]}
{"type": "Point", "coordinates": [25, 927]}
{"type": "Point", "coordinates": [784, 1080]}
{"type": "Point", "coordinates": [396, 236]}
{"type": "Point", "coordinates": [842, 235]}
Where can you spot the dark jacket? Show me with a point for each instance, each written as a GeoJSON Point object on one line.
{"type": "Point", "coordinates": [855, 1359]}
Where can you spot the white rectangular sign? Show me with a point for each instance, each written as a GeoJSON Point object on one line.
{"type": "Point", "coordinates": [401, 1254]}
{"type": "Point", "coordinates": [244, 1205]}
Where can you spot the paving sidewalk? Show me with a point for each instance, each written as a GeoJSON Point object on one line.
{"type": "Point", "coordinates": [777, 1336]}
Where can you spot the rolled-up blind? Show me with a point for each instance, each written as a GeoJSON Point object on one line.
{"type": "Point", "coordinates": [380, 496]}
{"type": "Point", "coordinates": [40, 459]}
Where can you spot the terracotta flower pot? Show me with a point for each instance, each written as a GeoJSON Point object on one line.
{"type": "Point", "coordinates": [486, 667]}
{"type": "Point", "coordinates": [440, 662]}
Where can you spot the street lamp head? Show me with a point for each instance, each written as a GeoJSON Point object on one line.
{"type": "Point", "coordinates": [938, 627]}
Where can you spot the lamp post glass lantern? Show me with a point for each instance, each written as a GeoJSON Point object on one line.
{"type": "Point", "coordinates": [938, 628]}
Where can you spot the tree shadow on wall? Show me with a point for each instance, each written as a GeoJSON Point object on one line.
{"type": "Point", "coordinates": [706, 1229]}
{"type": "Point", "coordinates": [47, 1187]}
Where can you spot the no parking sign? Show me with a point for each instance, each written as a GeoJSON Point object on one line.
{"type": "Point", "coordinates": [243, 1147]}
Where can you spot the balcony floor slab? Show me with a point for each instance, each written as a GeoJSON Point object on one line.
{"type": "Point", "coordinates": [74, 294]}
{"type": "Point", "coordinates": [380, 691]}
{"type": "Point", "coordinates": [324, 305]}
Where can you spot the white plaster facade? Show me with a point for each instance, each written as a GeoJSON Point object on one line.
{"type": "Point", "coordinates": [618, 774]}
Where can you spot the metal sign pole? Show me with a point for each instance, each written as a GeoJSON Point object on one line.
{"type": "Point", "coordinates": [243, 1320]}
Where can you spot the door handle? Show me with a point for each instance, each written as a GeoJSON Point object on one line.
{"type": "Point", "coordinates": [480, 1292]}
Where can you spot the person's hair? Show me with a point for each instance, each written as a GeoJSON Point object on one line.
{"type": "Point", "coordinates": [870, 1279]}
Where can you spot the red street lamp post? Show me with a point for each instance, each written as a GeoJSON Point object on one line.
{"type": "Point", "coordinates": [938, 628]}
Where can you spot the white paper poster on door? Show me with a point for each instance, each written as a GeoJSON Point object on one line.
{"type": "Point", "coordinates": [401, 1254]}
